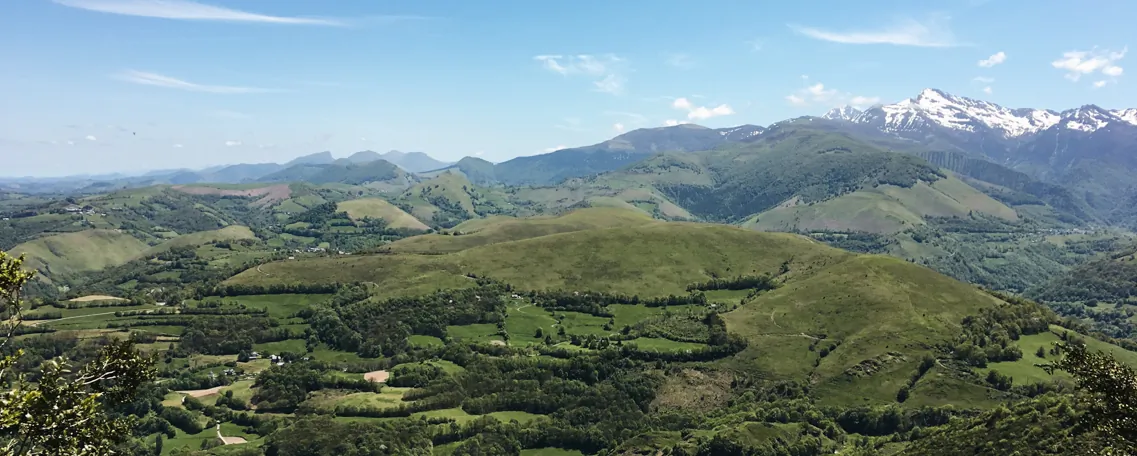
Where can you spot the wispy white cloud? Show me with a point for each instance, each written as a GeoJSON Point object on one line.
{"type": "Point", "coordinates": [628, 120]}
{"type": "Point", "coordinates": [158, 80]}
{"type": "Point", "coordinates": [995, 59]}
{"type": "Point", "coordinates": [579, 64]}
{"type": "Point", "coordinates": [673, 122]}
{"type": "Point", "coordinates": [613, 84]}
{"type": "Point", "coordinates": [680, 60]}
{"type": "Point", "coordinates": [604, 69]}
{"type": "Point", "coordinates": [755, 45]}
{"type": "Point", "coordinates": [701, 112]}
{"type": "Point", "coordinates": [178, 146]}
{"type": "Point", "coordinates": [91, 138]}
{"type": "Point", "coordinates": [619, 127]}
{"type": "Point", "coordinates": [933, 32]}
{"type": "Point", "coordinates": [987, 90]}
{"type": "Point", "coordinates": [232, 143]}
{"type": "Point", "coordinates": [861, 101]}
{"type": "Point", "coordinates": [796, 100]}
{"type": "Point", "coordinates": [818, 94]}
{"type": "Point", "coordinates": [1101, 61]}
{"type": "Point", "coordinates": [555, 148]}
{"type": "Point", "coordinates": [983, 79]}
{"type": "Point", "coordinates": [226, 114]}
{"type": "Point", "coordinates": [634, 118]}
{"type": "Point", "coordinates": [188, 10]}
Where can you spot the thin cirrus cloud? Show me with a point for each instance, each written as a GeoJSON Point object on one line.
{"type": "Point", "coordinates": [158, 80]}
{"type": "Point", "coordinates": [226, 114]}
{"type": "Point", "coordinates": [933, 32]}
{"type": "Point", "coordinates": [613, 84]}
{"type": "Point", "coordinates": [680, 60]}
{"type": "Point", "coordinates": [606, 70]}
{"type": "Point", "coordinates": [188, 10]}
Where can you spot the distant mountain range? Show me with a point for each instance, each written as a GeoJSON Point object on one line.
{"type": "Point", "coordinates": [321, 166]}
{"type": "Point", "coordinates": [1089, 149]}
{"type": "Point", "coordinates": [623, 150]}
{"type": "Point", "coordinates": [1082, 161]}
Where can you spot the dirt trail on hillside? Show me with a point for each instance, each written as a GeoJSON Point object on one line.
{"type": "Point", "coordinates": [202, 393]}
{"type": "Point", "coordinates": [229, 440]}
{"type": "Point", "coordinates": [38, 322]}
{"type": "Point", "coordinates": [96, 298]}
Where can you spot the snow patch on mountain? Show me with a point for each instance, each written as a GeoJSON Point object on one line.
{"type": "Point", "coordinates": [961, 113]}
{"type": "Point", "coordinates": [843, 113]}
{"type": "Point", "coordinates": [934, 107]}
{"type": "Point", "coordinates": [1128, 115]}
{"type": "Point", "coordinates": [740, 132]}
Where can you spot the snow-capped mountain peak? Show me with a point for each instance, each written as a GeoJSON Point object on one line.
{"type": "Point", "coordinates": [939, 108]}
{"type": "Point", "coordinates": [844, 113]}
{"type": "Point", "coordinates": [1088, 118]}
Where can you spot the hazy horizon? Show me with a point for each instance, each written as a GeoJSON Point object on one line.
{"type": "Point", "coordinates": [131, 85]}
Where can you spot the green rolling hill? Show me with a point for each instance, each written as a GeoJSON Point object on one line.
{"type": "Point", "coordinates": [883, 209]}
{"type": "Point", "coordinates": [377, 208]}
{"type": "Point", "coordinates": [449, 198]}
{"type": "Point", "coordinates": [492, 230]}
{"type": "Point", "coordinates": [882, 311]}
{"type": "Point", "coordinates": [64, 255]}
{"type": "Point", "coordinates": [375, 172]}
{"type": "Point", "coordinates": [229, 233]}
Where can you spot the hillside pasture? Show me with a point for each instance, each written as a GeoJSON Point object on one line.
{"type": "Point", "coordinates": [67, 254]}
{"type": "Point", "coordinates": [655, 259]}
{"type": "Point", "coordinates": [359, 209]}
{"type": "Point", "coordinates": [229, 233]}
{"type": "Point", "coordinates": [265, 195]}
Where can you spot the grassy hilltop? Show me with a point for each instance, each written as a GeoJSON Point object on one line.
{"type": "Point", "coordinates": [873, 306]}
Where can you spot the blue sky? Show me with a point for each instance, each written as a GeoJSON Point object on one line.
{"type": "Point", "coordinates": [93, 86]}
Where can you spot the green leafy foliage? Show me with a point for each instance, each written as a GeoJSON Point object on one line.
{"type": "Point", "coordinates": [64, 411]}
{"type": "Point", "coordinates": [322, 436]}
{"type": "Point", "coordinates": [1112, 279]}
{"type": "Point", "coordinates": [990, 336]}
{"type": "Point", "coordinates": [1098, 419]}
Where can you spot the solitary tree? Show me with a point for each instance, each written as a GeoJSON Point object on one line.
{"type": "Point", "coordinates": [65, 411]}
